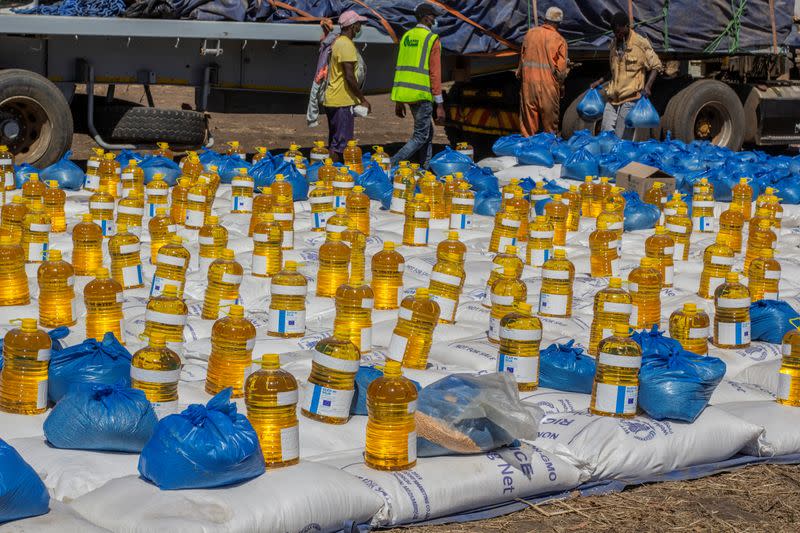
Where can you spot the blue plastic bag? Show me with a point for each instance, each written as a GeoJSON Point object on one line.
{"type": "Point", "coordinates": [263, 171]}
{"type": "Point", "coordinates": [678, 384]}
{"type": "Point", "coordinates": [579, 165]}
{"type": "Point", "coordinates": [228, 167]}
{"type": "Point", "coordinates": [591, 106]}
{"type": "Point", "coordinates": [770, 320]}
{"type": "Point", "coordinates": [65, 172]}
{"type": "Point", "coordinates": [107, 362]}
{"type": "Point", "coordinates": [209, 158]}
{"type": "Point", "coordinates": [205, 446]}
{"type": "Point", "coordinates": [560, 151]}
{"type": "Point", "coordinates": [93, 416]}
{"type": "Point", "coordinates": [607, 141]}
{"type": "Point", "coordinates": [653, 341]}
{"type": "Point", "coordinates": [449, 161]}
{"type": "Point", "coordinates": [789, 187]}
{"type": "Point", "coordinates": [377, 184]}
{"type": "Point", "coordinates": [639, 215]}
{"type": "Point", "coordinates": [643, 115]}
{"type": "Point", "coordinates": [466, 413]}
{"type": "Point", "coordinates": [22, 493]}
{"type": "Point", "coordinates": [535, 153]}
{"type": "Point", "coordinates": [290, 174]}
{"type": "Point", "coordinates": [22, 173]}
{"type": "Point", "coordinates": [125, 156]}
{"type": "Point", "coordinates": [507, 145]}
{"type": "Point", "coordinates": [365, 376]}
{"type": "Point", "coordinates": [565, 367]}
{"type": "Point", "coordinates": [152, 165]}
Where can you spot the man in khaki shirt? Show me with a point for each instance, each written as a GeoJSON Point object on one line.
{"type": "Point", "coordinates": [632, 57]}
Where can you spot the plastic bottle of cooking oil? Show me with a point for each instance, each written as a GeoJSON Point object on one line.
{"type": "Point", "coordinates": [679, 227]}
{"type": "Point", "coordinates": [764, 276]}
{"type": "Point", "coordinates": [331, 383]}
{"type": "Point", "coordinates": [130, 211]}
{"type": "Point", "coordinates": [413, 335]}
{"type": "Point", "coordinates": [520, 336]}
{"type": "Point", "coordinates": [87, 246]}
{"type": "Point", "coordinates": [521, 206]}
{"type": "Point", "coordinates": [433, 190]}
{"type": "Point", "coordinates": [321, 200]}
{"type": "Point", "coordinates": [267, 253]}
{"type": "Point", "coordinates": [12, 217]}
{"type": "Point", "coordinates": [538, 192]}
{"type": "Point", "coordinates": [614, 222]}
{"type": "Point", "coordinates": [466, 149]}
{"type": "Point", "coordinates": [742, 195]}
{"type": "Point", "coordinates": [732, 314]}
{"type": "Point", "coordinates": [417, 219]}
{"type": "Point", "coordinates": [101, 206]}
{"type": "Point", "coordinates": [342, 185]}
{"type": "Point", "coordinates": [403, 186]}
{"type": "Point", "coordinates": [644, 285]}
{"type": "Point", "coordinates": [270, 395]}
{"type": "Point", "coordinates": [380, 157]}
{"type": "Point", "coordinates": [558, 275]}
{"type": "Point", "coordinates": [338, 222]}
{"type": "Point", "coordinates": [300, 165]}
{"type": "Point", "coordinates": [283, 211]}
{"type": "Point", "coordinates": [287, 307]}
{"type": "Point", "coordinates": [616, 381]}
{"type": "Point", "coordinates": [161, 230]}
{"type": "Point", "coordinates": [260, 153]}
{"type": "Point", "coordinates": [213, 238]}
{"type": "Point", "coordinates": [506, 226]}
{"type": "Point", "coordinates": [132, 178]}
{"type": "Point", "coordinates": [353, 156]}
{"type": "Point", "coordinates": [446, 283]}
{"type": "Point", "coordinates": [508, 191]}
{"type": "Point", "coordinates": [388, 266]}
{"type": "Point", "coordinates": [7, 170]}
{"type": "Point", "coordinates": [334, 261]}
{"type": "Point", "coordinates": [214, 180]}
{"type": "Point", "coordinates": [126, 261]}
{"type": "Point", "coordinates": [157, 194]}
{"type": "Point", "coordinates": [327, 172]}
{"type": "Point", "coordinates": [224, 277]}
{"type": "Point", "coordinates": [53, 200]}
{"type": "Point", "coordinates": [616, 200]}
{"type": "Point", "coordinates": [354, 303]}
{"type": "Point", "coordinates": [505, 294]}
{"type": "Point", "coordinates": [13, 278]}
{"type": "Point", "coordinates": [357, 204]}
{"type": "Point", "coordinates": [789, 374]}
{"type": "Point", "coordinates": [540, 244]}
{"type": "Point", "coordinates": [242, 192]}
{"type": "Point", "coordinates": [235, 149]}
{"type": "Point", "coordinates": [23, 378]}
{"type": "Point", "coordinates": [661, 247]}
{"type": "Point", "coordinates": [451, 249]}
{"type": "Point", "coordinates": [656, 195]}
{"type": "Point", "coordinates": [191, 165]}
{"type": "Point", "coordinates": [357, 242]}
{"type": "Point", "coordinates": [671, 206]}
{"type": "Point", "coordinates": [291, 153]}
{"type": "Point", "coordinates": [763, 199]}
{"type": "Point", "coordinates": [92, 180]}
{"type": "Point", "coordinates": [703, 219]}
{"type": "Point", "coordinates": [557, 212]}
{"type": "Point", "coordinates": [586, 190]}
{"type": "Point", "coordinates": [156, 370]}
{"type": "Point", "coordinates": [56, 293]}
{"type": "Point", "coordinates": [103, 299]}
{"type": "Point", "coordinates": [612, 306]}
{"type": "Point", "coordinates": [196, 201]}
{"type": "Point", "coordinates": [717, 262]}
{"type": "Point", "coordinates": [232, 341]}
{"type": "Point", "coordinates": [319, 152]}
{"type": "Point", "coordinates": [35, 233]}
{"type": "Point", "coordinates": [110, 176]}
{"type": "Point", "coordinates": [572, 199]}
{"type": "Point", "coordinates": [462, 205]}
{"type": "Point", "coordinates": [391, 442]}
{"type": "Point", "coordinates": [166, 315]}
{"type": "Point", "coordinates": [281, 187]}
{"type": "Point", "coordinates": [690, 326]}
{"type": "Point", "coordinates": [775, 209]}
{"type": "Point", "coordinates": [33, 189]}
{"type": "Point", "coordinates": [600, 192]}
{"type": "Point", "coordinates": [604, 250]}
{"type": "Point", "coordinates": [760, 237]}
{"type": "Point", "coordinates": [730, 228]}
{"type": "Point", "coordinates": [164, 150]}
{"type": "Point", "coordinates": [262, 203]}
{"type": "Point", "coordinates": [172, 262]}
{"type": "Point", "coordinates": [509, 257]}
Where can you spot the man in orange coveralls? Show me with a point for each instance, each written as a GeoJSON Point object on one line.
{"type": "Point", "coordinates": [542, 69]}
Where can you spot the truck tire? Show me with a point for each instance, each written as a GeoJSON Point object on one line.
{"type": "Point", "coordinates": [35, 119]}
{"type": "Point", "coordinates": [572, 122]}
{"type": "Point", "coordinates": [709, 110]}
{"type": "Point", "coordinates": [148, 125]}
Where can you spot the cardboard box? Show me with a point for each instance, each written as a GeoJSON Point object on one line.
{"type": "Point", "coordinates": [638, 177]}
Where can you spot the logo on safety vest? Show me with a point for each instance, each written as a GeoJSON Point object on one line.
{"type": "Point", "coordinates": [408, 41]}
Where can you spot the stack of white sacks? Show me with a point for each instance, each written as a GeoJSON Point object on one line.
{"type": "Point", "coordinates": [331, 487]}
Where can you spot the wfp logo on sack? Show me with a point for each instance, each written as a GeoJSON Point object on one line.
{"type": "Point", "coordinates": [408, 41]}
{"type": "Point", "coordinates": [639, 430]}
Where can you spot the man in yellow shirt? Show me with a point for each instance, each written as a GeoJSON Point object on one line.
{"type": "Point", "coordinates": [344, 91]}
{"type": "Point", "coordinates": [631, 58]}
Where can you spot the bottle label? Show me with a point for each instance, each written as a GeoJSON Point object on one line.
{"type": "Point", "coordinates": [282, 321]}
{"type": "Point", "coordinates": [670, 211]}
{"type": "Point", "coordinates": [615, 264]}
{"type": "Point", "coordinates": [422, 214]}
{"type": "Point", "coordinates": [323, 401]}
{"type": "Point", "coordinates": [41, 228]}
{"type": "Point", "coordinates": [164, 318]}
{"type": "Point", "coordinates": [770, 296]}
{"type": "Point", "coordinates": [151, 209]}
{"type": "Point", "coordinates": [366, 340]}
{"type": "Point", "coordinates": [132, 276]}
{"type": "Point", "coordinates": [617, 399]}
{"type": "Point", "coordinates": [157, 288]}
{"type": "Point", "coordinates": [233, 279]}
{"type": "Point", "coordinates": [510, 223]}
{"type": "Point", "coordinates": [335, 228]}
{"type": "Point", "coordinates": [397, 346]}
{"type": "Point", "coordinates": [129, 210]}
{"type": "Point", "coordinates": [620, 361]}
{"type": "Point", "coordinates": [290, 443]}
{"type": "Point", "coordinates": [9, 179]}
{"type": "Point", "coordinates": [157, 192]}
{"type": "Point", "coordinates": [43, 355]}
{"type": "Point", "coordinates": [675, 228]}
{"type": "Point", "coordinates": [615, 226]}
{"type": "Point", "coordinates": [206, 240]}
{"type": "Point", "coordinates": [321, 218]}
{"type": "Point", "coordinates": [259, 265]}
{"type": "Point", "coordinates": [704, 224]}
{"type": "Point", "coordinates": [633, 287]}
{"type": "Point", "coordinates": [242, 204]}
{"type": "Point", "coordinates": [553, 304]}
{"type": "Point", "coordinates": [447, 307]}
{"type": "Point", "coordinates": [460, 221]}
{"type": "Point", "coordinates": [164, 259]}
{"type": "Point", "coordinates": [196, 219]}
{"type": "Point", "coordinates": [102, 206]}
{"type": "Point", "coordinates": [41, 394]}
{"type": "Point", "coordinates": [538, 257]}
{"type": "Point", "coordinates": [37, 251]}
{"type": "Point", "coordinates": [155, 376]}
{"type": "Point", "coordinates": [283, 216]}
{"type": "Point", "coordinates": [633, 321]}
{"type": "Point", "coordinates": [525, 335]}
{"type": "Point", "coordinates": [613, 244]}
{"type": "Point", "coordinates": [398, 205]}
{"type": "Point", "coordinates": [506, 241]}
{"type": "Point", "coordinates": [733, 333]}
{"type": "Point", "coordinates": [679, 251]}
{"type": "Point", "coordinates": [524, 369]}
{"type": "Point", "coordinates": [316, 156]}
{"type": "Point", "coordinates": [339, 201]}
{"type": "Point", "coordinates": [412, 446]}
{"type": "Point", "coordinates": [535, 234]}
{"type": "Point", "coordinates": [498, 299]}
{"type": "Point", "coordinates": [247, 184]}
{"type": "Point", "coordinates": [420, 235]}
{"type": "Point", "coordinates": [130, 248]}
{"type": "Point", "coordinates": [698, 333]}
{"type": "Point", "coordinates": [109, 227]}
{"type": "Point", "coordinates": [288, 239]}
{"type": "Point", "coordinates": [462, 201]}
{"type": "Point", "coordinates": [317, 200]}
{"type": "Point", "coordinates": [733, 303]}
{"type": "Point", "coordinates": [344, 184]}
{"type": "Point", "coordinates": [772, 274]}
{"type": "Point", "coordinates": [784, 386]}
{"type": "Point", "coordinates": [721, 260]}
{"type": "Point", "coordinates": [92, 181]}
{"type": "Point", "coordinates": [446, 279]}
{"type": "Point", "coordinates": [288, 290]}
{"type": "Point", "coordinates": [196, 198]}
{"type": "Point", "coordinates": [612, 307]}
{"type": "Point", "coordinates": [555, 274]}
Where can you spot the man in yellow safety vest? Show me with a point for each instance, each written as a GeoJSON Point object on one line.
{"type": "Point", "coordinates": [418, 83]}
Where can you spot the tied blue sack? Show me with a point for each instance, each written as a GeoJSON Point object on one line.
{"type": "Point", "coordinates": [448, 162]}
{"type": "Point", "coordinates": [153, 165]}
{"type": "Point", "coordinates": [263, 171]}
{"type": "Point", "coordinates": [579, 165]}
{"type": "Point", "coordinates": [487, 190]}
{"type": "Point", "coordinates": [560, 152]}
{"type": "Point", "coordinates": [653, 341]}
{"type": "Point", "coordinates": [465, 413]}
{"type": "Point", "coordinates": [125, 156]}
{"type": "Point", "coordinates": [94, 416]}
{"type": "Point", "coordinates": [228, 166]}
{"type": "Point", "coordinates": [770, 320]}
{"type": "Point", "coordinates": [565, 367]}
{"type": "Point", "coordinates": [677, 385]}
{"type": "Point", "coordinates": [532, 153]}
{"type": "Point", "coordinates": [639, 215]}
{"type": "Point", "coordinates": [643, 115]}
{"type": "Point", "coordinates": [203, 447]}
{"type": "Point", "coordinates": [22, 173]}
{"type": "Point", "coordinates": [65, 172]}
{"type": "Point", "coordinates": [376, 183]}
{"type": "Point", "coordinates": [591, 106]}
{"type": "Point", "coordinates": [365, 376]}
{"type": "Point", "coordinates": [22, 493]}
{"type": "Point", "coordinates": [789, 187]}
{"type": "Point", "coordinates": [507, 145]}
{"type": "Point", "coordinates": [290, 174]}
{"type": "Point", "coordinates": [107, 362]}
{"type": "Point", "coordinates": [208, 158]}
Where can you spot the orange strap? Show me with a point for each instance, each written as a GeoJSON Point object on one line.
{"type": "Point", "coordinates": [283, 5]}
{"type": "Point", "coordinates": [383, 21]}
{"type": "Point", "coordinates": [471, 22]}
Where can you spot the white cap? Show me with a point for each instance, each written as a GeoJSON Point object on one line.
{"type": "Point", "coordinates": [554, 14]}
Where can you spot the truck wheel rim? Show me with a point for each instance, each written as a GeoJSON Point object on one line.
{"type": "Point", "coordinates": [25, 128]}
{"type": "Point", "coordinates": [713, 123]}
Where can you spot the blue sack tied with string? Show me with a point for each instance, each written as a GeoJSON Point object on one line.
{"type": "Point", "coordinates": [565, 367]}
{"type": "Point", "coordinates": [770, 320]}
{"type": "Point", "coordinates": [107, 362]}
{"type": "Point", "coordinates": [639, 215]}
{"type": "Point", "coordinates": [65, 172]}
{"type": "Point", "coordinates": [203, 447]}
{"type": "Point", "coordinates": [152, 165]}
{"type": "Point", "coordinates": [229, 166]}
{"type": "Point", "coordinates": [653, 341]}
{"type": "Point", "coordinates": [505, 146]}
{"type": "Point", "coordinates": [592, 105]}
{"type": "Point", "coordinates": [263, 170]}
{"type": "Point", "coordinates": [579, 165]}
{"type": "Point", "coordinates": [93, 416]}
{"type": "Point", "coordinates": [376, 183]}
{"type": "Point", "coordinates": [449, 161]}
{"type": "Point", "coordinates": [535, 153]}
{"type": "Point", "coordinates": [22, 493]}
{"type": "Point", "coordinates": [125, 156]}
{"type": "Point", "coordinates": [643, 115]}
{"type": "Point", "coordinates": [678, 384]}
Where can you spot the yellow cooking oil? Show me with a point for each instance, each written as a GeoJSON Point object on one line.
{"type": "Point", "coordinates": [603, 251]}
{"type": "Point", "coordinates": [161, 231]}
{"type": "Point", "coordinates": [321, 200]}
{"type": "Point", "coordinates": [540, 241]}
{"type": "Point", "coordinates": [656, 195]}
{"type": "Point", "coordinates": [196, 201]}
{"type": "Point", "coordinates": [222, 290]}
{"type": "Point", "coordinates": [506, 227]}
{"type": "Point", "coordinates": [558, 275]}
{"type": "Point", "coordinates": [156, 371]}
{"type": "Point", "coordinates": [703, 219]}
{"type": "Point", "coordinates": [267, 252]}
{"type": "Point", "coordinates": [357, 204]}
{"type": "Point", "coordinates": [262, 203]}
{"type": "Point", "coordinates": [12, 216]}
{"type": "Point", "coordinates": [742, 196]}
{"type": "Point", "coordinates": [54, 200]}
{"type": "Point", "coordinates": [731, 223]}
{"type": "Point", "coordinates": [172, 262]}
{"type": "Point", "coordinates": [509, 257]}
{"type": "Point", "coordinates": [242, 192]}
{"type": "Point", "coordinates": [789, 373]}
{"type": "Point", "coordinates": [212, 239]}
{"type": "Point", "coordinates": [87, 246]}
{"type": "Point", "coordinates": [342, 183]}
{"type": "Point", "coordinates": [446, 282]}
{"type": "Point", "coordinates": [319, 152]}
{"type": "Point", "coordinates": [760, 237]}
{"type": "Point", "coordinates": [661, 247]}
{"type": "Point", "coordinates": [124, 249]}
{"type": "Point", "coordinates": [283, 211]}
{"type": "Point", "coordinates": [178, 200]}
{"type": "Point", "coordinates": [717, 262]}
{"type": "Point", "coordinates": [612, 306]}
{"type": "Point", "coordinates": [334, 262]}
{"type": "Point", "coordinates": [764, 276]}
{"type": "Point", "coordinates": [157, 193]}
{"type": "Point", "coordinates": [679, 227]}
{"type": "Point", "coordinates": [690, 326]}
{"type": "Point", "coordinates": [520, 337]}
{"type": "Point", "coordinates": [331, 383]}
{"type": "Point", "coordinates": [26, 360]}
{"type": "Point", "coordinates": [357, 241]}
{"type": "Point", "coordinates": [33, 189]}
{"type": "Point", "coordinates": [461, 207]}
{"type": "Point", "coordinates": [56, 280]}
{"type": "Point", "coordinates": [166, 315]}
{"type": "Point", "coordinates": [732, 314]}
{"type": "Point", "coordinates": [615, 391]}
{"type": "Point", "coordinates": [130, 211]}
{"type": "Point", "coordinates": [101, 207]}
{"type": "Point", "coordinates": [417, 220]}
{"type": "Point", "coordinates": [644, 286]}
{"type": "Point", "coordinates": [413, 335]}
{"type": "Point", "coordinates": [354, 302]}
{"type": "Point", "coordinates": [103, 300]}
{"type": "Point", "coordinates": [388, 266]}
{"type": "Point", "coordinates": [505, 294]}
{"type": "Point", "coordinates": [35, 233]}
{"type": "Point", "coordinates": [232, 341]}
{"type": "Point", "coordinates": [287, 306]}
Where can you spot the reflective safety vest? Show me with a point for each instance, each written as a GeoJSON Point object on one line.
{"type": "Point", "coordinates": [412, 77]}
